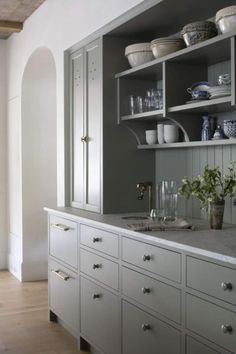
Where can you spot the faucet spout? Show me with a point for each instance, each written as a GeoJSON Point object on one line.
{"type": "Point", "coordinates": [143, 187]}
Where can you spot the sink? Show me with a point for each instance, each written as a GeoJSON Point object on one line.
{"type": "Point", "coordinates": [134, 217]}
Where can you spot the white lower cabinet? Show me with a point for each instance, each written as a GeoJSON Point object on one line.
{"type": "Point", "coordinates": [63, 294]}
{"type": "Point", "coordinates": [143, 333]}
{"type": "Point", "coordinates": [100, 317]}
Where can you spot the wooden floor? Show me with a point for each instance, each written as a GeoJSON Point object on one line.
{"type": "Point", "coordinates": [24, 325]}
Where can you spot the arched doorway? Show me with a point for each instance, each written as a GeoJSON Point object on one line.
{"type": "Point", "coordinates": [39, 177]}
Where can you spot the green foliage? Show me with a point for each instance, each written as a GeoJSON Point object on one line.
{"type": "Point", "coordinates": [212, 186]}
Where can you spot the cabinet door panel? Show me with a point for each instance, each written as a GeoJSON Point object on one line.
{"type": "Point", "coordinates": [195, 347]}
{"type": "Point", "coordinates": [93, 107]}
{"type": "Point", "coordinates": [159, 337]}
{"type": "Point", "coordinates": [100, 317]}
{"type": "Point", "coordinates": [77, 117]}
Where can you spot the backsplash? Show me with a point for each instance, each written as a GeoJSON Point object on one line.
{"type": "Point", "coordinates": [174, 164]}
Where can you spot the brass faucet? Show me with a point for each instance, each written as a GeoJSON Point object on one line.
{"type": "Point", "coordinates": [143, 187]}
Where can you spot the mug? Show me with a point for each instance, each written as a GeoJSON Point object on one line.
{"type": "Point", "coordinates": [151, 136]}
{"type": "Point", "coordinates": [171, 133]}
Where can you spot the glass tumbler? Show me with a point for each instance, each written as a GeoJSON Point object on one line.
{"type": "Point", "coordinates": [168, 200]}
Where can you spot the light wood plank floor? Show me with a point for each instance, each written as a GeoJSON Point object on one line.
{"type": "Point", "coordinates": [24, 325]}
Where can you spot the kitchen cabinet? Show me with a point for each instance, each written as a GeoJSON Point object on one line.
{"type": "Point", "coordinates": [86, 93]}
{"type": "Point", "coordinates": [132, 292]}
{"type": "Point", "coordinates": [104, 166]}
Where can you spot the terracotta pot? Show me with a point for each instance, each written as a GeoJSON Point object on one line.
{"type": "Point", "coordinates": [217, 214]}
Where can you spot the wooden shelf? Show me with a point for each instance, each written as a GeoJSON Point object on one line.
{"type": "Point", "coordinates": [188, 144]}
{"type": "Point", "coordinates": [145, 115]}
{"type": "Point", "coordinates": [215, 105]}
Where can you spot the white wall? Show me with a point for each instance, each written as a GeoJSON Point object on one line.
{"type": "Point", "coordinates": [57, 25]}
{"type": "Point", "coordinates": [3, 140]}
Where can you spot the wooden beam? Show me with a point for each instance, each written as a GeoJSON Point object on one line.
{"type": "Point", "coordinates": [10, 26]}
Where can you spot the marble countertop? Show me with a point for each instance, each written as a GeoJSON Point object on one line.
{"type": "Point", "coordinates": [218, 244]}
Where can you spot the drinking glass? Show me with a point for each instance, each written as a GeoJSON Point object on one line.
{"type": "Point", "coordinates": [168, 200]}
{"type": "Point", "coordinates": [139, 104]}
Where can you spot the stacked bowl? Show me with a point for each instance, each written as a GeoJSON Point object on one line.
{"type": "Point", "coordinates": [166, 45]}
{"type": "Point", "coordinates": [229, 128]}
{"type": "Point", "coordinates": [226, 19]}
{"type": "Point", "coordinates": [138, 53]}
{"type": "Point", "coordinates": [200, 31]}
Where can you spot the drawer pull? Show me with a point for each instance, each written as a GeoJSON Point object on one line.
{"type": "Point", "coordinates": [146, 257]}
{"type": "Point", "coordinates": [97, 266]}
{"type": "Point", "coordinates": [226, 286]}
{"type": "Point", "coordinates": [61, 227]}
{"type": "Point", "coordinates": [60, 274]}
{"type": "Point", "coordinates": [96, 296]}
{"type": "Point", "coordinates": [146, 290]}
{"type": "Point", "coordinates": [226, 328]}
{"type": "Point", "coordinates": [146, 327]}
{"type": "Point", "coordinates": [96, 239]}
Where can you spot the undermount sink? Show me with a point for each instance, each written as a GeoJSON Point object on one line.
{"type": "Point", "coordinates": [134, 217]}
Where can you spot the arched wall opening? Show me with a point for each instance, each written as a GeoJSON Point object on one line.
{"type": "Point", "coordinates": [39, 167]}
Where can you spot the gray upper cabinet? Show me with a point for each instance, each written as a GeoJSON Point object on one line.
{"type": "Point", "coordinates": [86, 127]}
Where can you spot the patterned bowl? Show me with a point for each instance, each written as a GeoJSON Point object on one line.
{"type": "Point", "coordinates": [229, 128]}
{"type": "Point", "coordinates": [200, 31]}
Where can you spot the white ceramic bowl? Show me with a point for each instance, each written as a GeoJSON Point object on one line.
{"type": "Point", "coordinates": [226, 19]}
{"type": "Point", "coordinates": [138, 54]}
{"type": "Point", "coordinates": [171, 133]}
{"type": "Point", "coordinates": [151, 136]}
{"type": "Point", "coordinates": [165, 46]}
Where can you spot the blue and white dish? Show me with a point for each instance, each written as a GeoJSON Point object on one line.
{"type": "Point", "coordinates": [200, 94]}
{"type": "Point", "coordinates": [199, 86]}
{"type": "Point", "coordinates": [229, 128]}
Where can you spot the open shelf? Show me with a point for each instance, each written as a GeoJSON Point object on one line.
{"type": "Point", "coordinates": [145, 115]}
{"type": "Point", "coordinates": [188, 144]}
{"type": "Point", "coordinates": [215, 105]}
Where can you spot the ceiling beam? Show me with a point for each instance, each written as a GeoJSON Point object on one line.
{"type": "Point", "coordinates": [10, 26]}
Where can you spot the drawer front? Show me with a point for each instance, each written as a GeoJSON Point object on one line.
{"type": "Point", "coordinates": [154, 259]}
{"type": "Point", "coordinates": [158, 296]}
{"type": "Point", "coordinates": [100, 240]}
{"type": "Point", "coordinates": [99, 268]}
{"type": "Point", "coordinates": [195, 347]}
{"type": "Point", "coordinates": [212, 279]}
{"type": "Point", "coordinates": [63, 294]}
{"type": "Point", "coordinates": [211, 321]}
{"type": "Point", "coordinates": [100, 317]}
{"type": "Point", "coordinates": [63, 240]}
{"type": "Point", "coordinates": [143, 333]}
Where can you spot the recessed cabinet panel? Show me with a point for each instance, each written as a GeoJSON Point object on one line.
{"type": "Point", "coordinates": [211, 321]}
{"type": "Point", "coordinates": [195, 347]}
{"type": "Point", "coordinates": [63, 294]}
{"type": "Point", "coordinates": [99, 268]}
{"type": "Point", "coordinates": [100, 317]}
{"type": "Point", "coordinates": [93, 127]}
{"type": "Point", "coordinates": [144, 334]}
{"type": "Point", "coordinates": [63, 240]}
{"type": "Point", "coordinates": [154, 294]}
{"type": "Point", "coordinates": [77, 112]}
{"type": "Point", "coordinates": [154, 259]}
{"type": "Point", "coordinates": [100, 240]}
{"type": "Point", "coordinates": [212, 279]}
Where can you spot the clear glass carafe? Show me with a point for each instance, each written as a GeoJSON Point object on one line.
{"type": "Point", "coordinates": [167, 200]}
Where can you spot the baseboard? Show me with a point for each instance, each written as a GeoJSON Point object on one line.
{"type": "Point", "coordinates": [14, 265]}
{"type": "Point", "coordinates": [3, 261]}
{"type": "Point", "coordinates": [34, 271]}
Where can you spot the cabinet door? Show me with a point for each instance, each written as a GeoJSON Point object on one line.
{"type": "Point", "coordinates": [100, 317]}
{"type": "Point", "coordinates": [195, 347]}
{"type": "Point", "coordinates": [77, 119]}
{"type": "Point", "coordinates": [145, 334]}
{"type": "Point", "coordinates": [93, 112]}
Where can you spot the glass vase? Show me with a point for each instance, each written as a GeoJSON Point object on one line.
{"type": "Point", "coordinates": [216, 210]}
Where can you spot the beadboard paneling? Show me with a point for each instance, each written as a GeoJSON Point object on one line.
{"type": "Point", "coordinates": [176, 164]}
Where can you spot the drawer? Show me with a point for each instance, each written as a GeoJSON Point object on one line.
{"type": "Point", "coordinates": [143, 333]}
{"type": "Point", "coordinates": [159, 296]}
{"type": "Point", "coordinates": [211, 321]}
{"type": "Point", "coordinates": [63, 240]}
{"type": "Point", "coordinates": [100, 240]}
{"type": "Point", "coordinates": [99, 268]}
{"type": "Point", "coordinates": [154, 259]}
{"type": "Point", "coordinates": [195, 347]}
{"type": "Point", "coordinates": [212, 279]}
{"type": "Point", "coordinates": [100, 317]}
{"type": "Point", "coordinates": [63, 294]}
